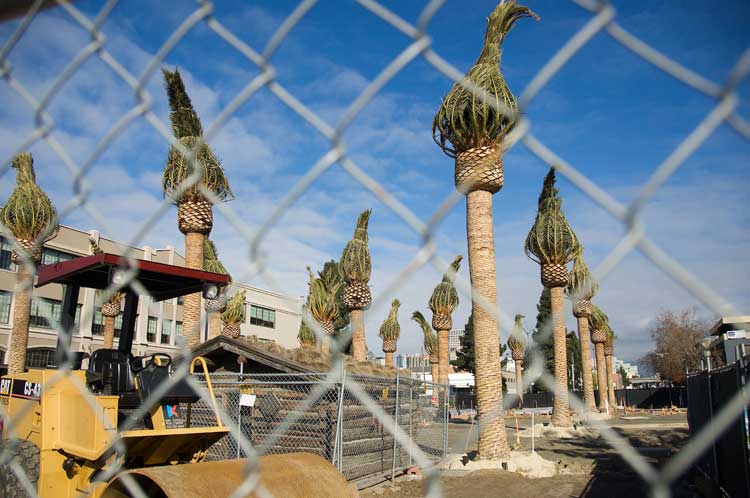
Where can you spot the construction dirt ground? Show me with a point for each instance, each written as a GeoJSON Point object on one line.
{"type": "Point", "coordinates": [586, 466]}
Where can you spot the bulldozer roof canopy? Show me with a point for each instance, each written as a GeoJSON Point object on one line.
{"type": "Point", "coordinates": [160, 280]}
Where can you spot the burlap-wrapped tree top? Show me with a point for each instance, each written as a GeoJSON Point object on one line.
{"type": "Point", "coordinates": [430, 339]}
{"type": "Point", "coordinates": [390, 330]}
{"type": "Point", "coordinates": [551, 242]}
{"type": "Point", "coordinates": [234, 315]}
{"type": "Point", "coordinates": [470, 128]}
{"type": "Point", "coordinates": [517, 339]}
{"type": "Point", "coordinates": [581, 287]}
{"type": "Point", "coordinates": [356, 267]}
{"type": "Point", "coordinates": [444, 299]}
{"type": "Point", "coordinates": [29, 213]}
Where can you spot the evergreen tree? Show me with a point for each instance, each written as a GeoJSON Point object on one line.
{"type": "Point", "coordinates": [465, 356]}
{"type": "Point", "coordinates": [574, 359]}
{"type": "Point", "coordinates": [624, 377]}
{"type": "Point", "coordinates": [542, 335]}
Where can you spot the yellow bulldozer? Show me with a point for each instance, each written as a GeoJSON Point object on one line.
{"type": "Point", "coordinates": [125, 426]}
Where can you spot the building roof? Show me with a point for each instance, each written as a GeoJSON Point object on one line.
{"type": "Point", "coordinates": [224, 351]}
{"type": "Point", "coordinates": [726, 323]}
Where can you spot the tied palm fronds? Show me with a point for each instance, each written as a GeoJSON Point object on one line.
{"type": "Point", "coordinates": [29, 213]}
{"type": "Point", "coordinates": [609, 344]}
{"type": "Point", "coordinates": [322, 301]}
{"type": "Point", "coordinates": [390, 330]}
{"type": "Point", "coordinates": [211, 260]}
{"type": "Point", "coordinates": [306, 336]}
{"type": "Point", "coordinates": [444, 299]}
{"type": "Point", "coordinates": [356, 267]}
{"type": "Point", "coordinates": [355, 264]}
{"type": "Point", "coordinates": [465, 120]}
{"type": "Point", "coordinates": [581, 285]}
{"type": "Point", "coordinates": [188, 130]}
{"type": "Point", "coordinates": [599, 323]}
{"type": "Point", "coordinates": [430, 338]}
{"type": "Point", "coordinates": [235, 312]}
{"type": "Point", "coordinates": [517, 339]}
{"type": "Point", "coordinates": [110, 304]}
{"type": "Point", "coordinates": [332, 279]}
{"type": "Point", "coordinates": [551, 242]}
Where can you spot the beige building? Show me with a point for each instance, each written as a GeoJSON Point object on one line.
{"type": "Point", "coordinates": [270, 316]}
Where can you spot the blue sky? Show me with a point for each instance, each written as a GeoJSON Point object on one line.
{"type": "Point", "coordinates": [609, 113]}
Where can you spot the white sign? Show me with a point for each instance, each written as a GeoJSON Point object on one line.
{"type": "Point", "coordinates": [736, 334]}
{"type": "Point", "coordinates": [247, 399]}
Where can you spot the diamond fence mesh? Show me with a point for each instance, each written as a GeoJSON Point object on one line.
{"type": "Point", "coordinates": [368, 423]}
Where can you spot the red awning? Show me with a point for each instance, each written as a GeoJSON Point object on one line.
{"type": "Point", "coordinates": [160, 280]}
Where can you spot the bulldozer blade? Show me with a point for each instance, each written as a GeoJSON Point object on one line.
{"type": "Point", "coordinates": [294, 475]}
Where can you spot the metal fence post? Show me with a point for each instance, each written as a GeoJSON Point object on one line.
{"type": "Point", "coordinates": [395, 427]}
{"type": "Point", "coordinates": [445, 420]}
{"type": "Point", "coordinates": [411, 414]}
{"type": "Point", "coordinates": [338, 451]}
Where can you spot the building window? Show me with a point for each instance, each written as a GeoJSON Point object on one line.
{"type": "Point", "coordinates": [6, 248]}
{"type": "Point", "coordinates": [166, 330]}
{"type": "Point", "coordinates": [39, 357]}
{"type": "Point", "coordinates": [97, 327]}
{"type": "Point", "coordinates": [45, 313]}
{"type": "Point", "coordinates": [178, 329]}
{"type": "Point", "coordinates": [52, 256]}
{"type": "Point", "coordinates": [5, 299]}
{"type": "Point", "coordinates": [180, 300]}
{"type": "Point", "coordinates": [262, 316]}
{"type": "Point", "coordinates": [151, 330]}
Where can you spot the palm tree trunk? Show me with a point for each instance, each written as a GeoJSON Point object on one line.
{"type": "Point", "coordinates": [19, 336]}
{"type": "Point", "coordinates": [325, 344]}
{"type": "Point", "coordinates": [435, 371]}
{"type": "Point", "coordinates": [443, 356]}
{"type": "Point", "coordinates": [109, 332]}
{"type": "Point", "coordinates": [601, 376]}
{"type": "Point", "coordinates": [493, 440]}
{"type": "Point", "coordinates": [584, 336]}
{"type": "Point", "coordinates": [359, 347]}
{"type": "Point", "coordinates": [389, 359]}
{"type": "Point", "coordinates": [214, 324]}
{"type": "Point", "coordinates": [191, 309]}
{"type": "Point", "coordinates": [519, 380]}
{"type": "Point", "coordinates": [560, 408]}
{"type": "Point", "coordinates": [611, 384]}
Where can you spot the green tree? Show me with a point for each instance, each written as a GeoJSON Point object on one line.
{"type": "Point", "coordinates": [624, 377]}
{"type": "Point", "coordinates": [465, 356]}
{"type": "Point", "coordinates": [574, 357]}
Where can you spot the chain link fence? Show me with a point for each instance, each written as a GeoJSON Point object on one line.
{"type": "Point", "coordinates": [405, 428]}
{"type": "Point", "coordinates": [337, 426]}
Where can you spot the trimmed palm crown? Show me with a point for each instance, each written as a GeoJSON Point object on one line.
{"type": "Point", "coordinates": [517, 339]}
{"type": "Point", "coordinates": [322, 301]}
{"type": "Point", "coordinates": [188, 130]}
{"type": "Point", "coordinates": [430, 339]}
{"type": "Point", "coordinates": [356, 267]}
{"type": "Point", "coordinates": [609, 343]}
{"type": "Point", "coordinates": [551, 242]}
{"type": "Point", "coordinates": [29, 213]}
{"type": "Point", "coordinates": [306, 336]}
{"type": "Point", "coordinates": [212, 263]}
{"type": "Point", "coordinates": [581, 286]}
{"type": "Point", "coordinates": [599, 323]}
{"type": "Point", "coordinates": [234, 315]}
{"type": "Point", "coordinates": [390, 330]}
{"type": "Point", "coordinates": [468, 122]}
{"type": "Point", "coordinates": [110, 303]}
{"type": "Point", "coordinates": [333, 280]}
{"type": "Point", "coordinates": [444, 299]}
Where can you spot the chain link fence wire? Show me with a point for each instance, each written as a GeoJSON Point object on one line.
{"type": "Point", "coordinates": [357, 416]}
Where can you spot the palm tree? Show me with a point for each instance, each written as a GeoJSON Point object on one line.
{"type": "Point", "coordinates": [552, 243]}
{"type": "Point", "coordinates": [110, 305]}
{"type": "Point", "coordinates": [517, 345]}
{"type": "Point", "coordinates": [332, 278]}
{"type": "Point", "coordinates": [214, 307]}
{"type": "Point", "coordinates": [32, 219]}
{"type": "Point", "coordinates": [355, 267]}
{"type": "Point", "coordinates": [306, 336]}
{"type": "Point", "coordinates": [443, 302]}
{"type": "Point", "coordinates": [390, 331]}
{"type": "Point", "coordinates": [581, 288]}
{"type": "Point", "coordinates": [234, 316]}
{"type": "Point", "coordinates": [598, 322]}
{"type": "Point", "coordinates": [194, 209]}
{"type": "Point", "coordinates": [609, 351]}
{"type": "Point", "coordinates": [322, 306]}
{"type": "Point", "coordinates": [430, 343]}
{"type": "Point", "coordinates": [471, 130]}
